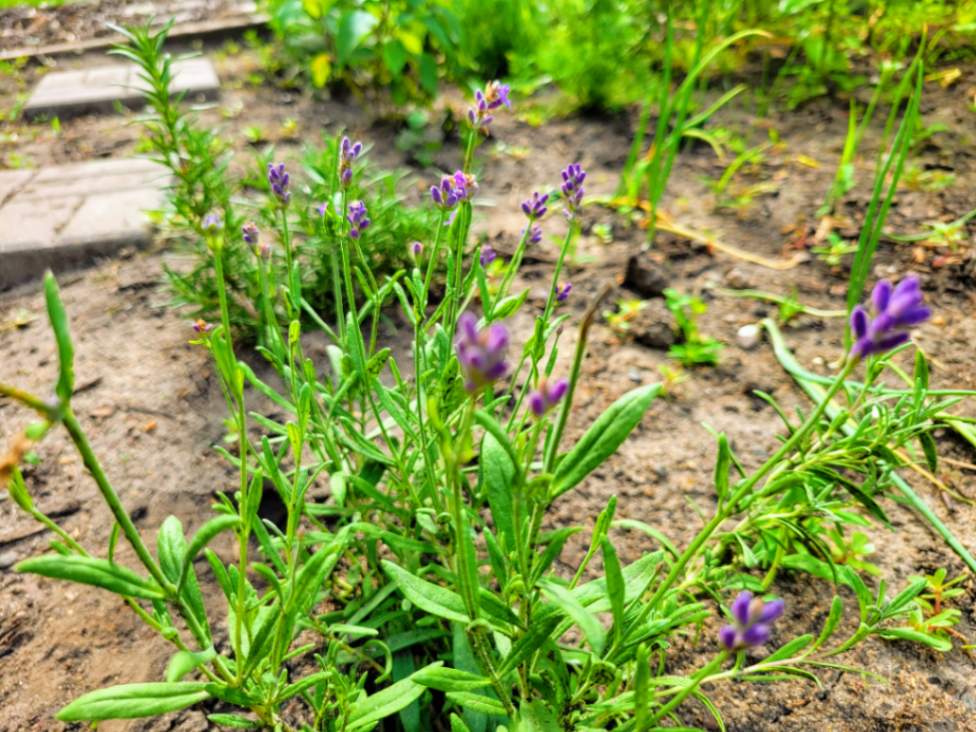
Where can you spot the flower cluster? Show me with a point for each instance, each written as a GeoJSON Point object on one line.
{"type": "Point", "coordinates": [896, 310]}
{"type": "Point", "coordinates": [535, 208]}
{"type": "Point", "coordinates": [279, 181]}
{"type": "Point", "coordinates": [547, 396]}
{"type": "Point", "coordinates": [572, 188]}
{"type": "Point", "coordinates": [751, 621]}
{"type": "Point", "coordinates": [250, 233]}
{"type": "Point", "coordinates": [481, 353]}
{"type": "Point", "coordinates": [358, 220]}
{"type": "Point", "coordinates": [212, 223]}
{"type": "Point", "coordinates": [563, 290]}
{"type": "Point", "coordinates": [494, 96]}
{"type": "Point", "coordinates": [488, 255]}
{"type": "Point", "coordinates": [348, 152]}
{"type": "Point", "coordinates": [535, 234]}
{"type": "Point", "coordinates": [453, 189]}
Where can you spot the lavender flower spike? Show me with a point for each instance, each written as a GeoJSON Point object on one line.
{"type": "Point", "coordinates": [212, 223]}
{"type": "Point", "coordinates": [572, 188]}
{"type": "Point", "coordinates": [416, 249]}
{"type": "Point", "coordinates": [562, 291]}
{"type": "Point", "coordinates": [896, 310]}
{"type": "Point", "coordinates": [453, 189]}
{"type": "Point", "coordinates": [481, 353]}
{"type": "Point", "coordinates": [547, 396]}
{"type": "Point", "coordinates": [348, 152]}
{"type": "Point", "coordinates": [494, 96]}
{"type": "Point", "coordinates": [358, 220]}
{"type": "Point", "coordinates": [488, 255]}
{"type": "Point", "coordinates": [535, 207]}
{"type": "Point", "coordinates": [535, 234]}
{"type": "Point", "coordinates": [250, 233]}
{"type": "Point", "coordinates": [751, 621]}
{"type": "Point", "coordinates": [279, 181]}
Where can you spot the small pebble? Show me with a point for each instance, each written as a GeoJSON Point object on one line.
{"type": "Point", "coordinates": [748, 336]}
{"type": "Point", "coordinates": [8, 559]}
{"type": "Point", "coordinates": [635, 376]}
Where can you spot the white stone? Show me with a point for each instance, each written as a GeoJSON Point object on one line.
{"type": "Point", "coordinates": [748, 336]}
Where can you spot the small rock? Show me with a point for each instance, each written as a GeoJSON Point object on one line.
{"type": "Point", "coordinates": [738, 279]}
{"type": "Point", "coordinates": [645, 277]}
{"type": "Point", "coordinates": [7, 559]}
{"type": "Point", "coordinates": [748, 336]}
{"type": "Point", "coordinates": [656, 335]}
{"type": "Point", "coordinates": [635, 376]}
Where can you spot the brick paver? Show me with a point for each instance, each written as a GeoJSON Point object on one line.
{"type": "Point", "coordinates": [62, 216]}
{"type": "Point", "coordinates": [63, 93]}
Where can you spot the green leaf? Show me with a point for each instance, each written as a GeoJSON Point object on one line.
{"type": "Point", "coordinates": [429, 597]}
{"type": "Point", "coordinates": [205, 534]}
{"type": "Point", "coordinates": [444, 678]}
{"type": "Point", "coordinates": [937, 642]}
{"type": "Point", "coordinates": [354, 26]}
{"type": "Point", "coordinates": [588, 622]}
{"type": "Point", "coordinates": [478, 703]}
{"type": "Point", "coordinates": [536, 716]}
{"type": "Point", "coordinates": [394, 56]}
{"type": "Point", "coordinates": [369, 710]}
{"type": "Point", "coordinates": [130, 701]}
{"type": "Point", "coordinates": [615, 586]}
{"type": "Point", "coordinates": [789, 649]}
{"type": "Point", "coordinates": [233, 720]}
{"type": "Point", "coordinates": [536, 636]}
{"type": "Point", "coordinates": [497, 478]}
{"type": "Point", "coordinates": [183, 662]}
{"type": "Point", "coordinates": [92, 571]}
{"type": "Point", "coordinates": [927, 442]}
{"type": "Point", "coordinates": [428, 73]}
{"type": "Point", "coordinates": [603, 437]}
{"type": "Point", "coordinates": [59, 323]}
{"type": "Point", "coordinates": [458, 725]}
{"type": "Point", "coordinates": [830, 624]}
{"type": "Point", "coordinates": [722, 464]}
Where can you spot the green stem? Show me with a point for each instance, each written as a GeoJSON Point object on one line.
{"type": "Point", "coordinates": [692, 686]}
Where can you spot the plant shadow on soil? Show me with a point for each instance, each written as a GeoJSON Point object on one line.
{"type": "Point", "coordinates": [153, 408]}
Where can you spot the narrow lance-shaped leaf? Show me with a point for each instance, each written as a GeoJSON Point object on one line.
{"type": "Point", "coordinates": [131, 701]}
{"type": "Point", "coordinates": [603, 437]}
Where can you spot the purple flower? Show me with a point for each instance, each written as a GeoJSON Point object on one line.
{"type": "Point", "coordinates": [212, 223]}
{"type": "Point", "coordinates": [562, 291]}
{"type": "Point", "coordinates": [250, 233]}
{"type": "Point", "coordinates": [322, 208]}
{"type": "Point", "coordinates": [488, 255]}
{"type": "Point", "coordinates": [572, 188]}
{"type": "Point", "coordinates": [547, 396]}
{"type": "Point", "coordinates": [494, 96]}
{"type": "Point", "coordinates": [358, 220]}
{"type": "Point", "coordinates": [416, 248]}
{"type": "Point", "coordinates": [481, 353]}
{"type": "Point", "coordinates": [751, 621]}
{"type": "Point", "coordinates": [535, 234]}
{"type": "Point", "coordinates": [279, 181]}
{"type": "Point", "coordinates": [202, 326]}
{"type": "Point", "coordinates": [896, 310]}
{"type": "Point", "coordinates": [453, 189]}
{"type": "Point", "coordinates": [348, 152]}
{"type": "Point", "coordinates": [535, 207]}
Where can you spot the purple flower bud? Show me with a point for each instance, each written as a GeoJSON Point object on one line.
{"type": "Point", "coordinates": [279, 181]}
{"type": "Point", "coordinates": [535, 234]}
{"type": "Point", "coordinates": [535, 207]}
{"type": "Point", "coordinates": [896, 310]}
{"type": "Point", "coordinates": [547, 396]}
{"type": "Point", "coordinates": [488, 255]}
{"type": "Point", "coordinates": [250, 233]}
{"type": "Point", "coordinates": [202, 326]}
{"type": "Point", "coordinates": [416, 248]}
{"type": "Point", "coordinates": [212, 223]}
{"type": "Point", "coordinates": [453, 189]}
{"type": "Point", "coordinates": [481, 354]}
{"type": "Point", "coordinates": [751, 621]}
{"type": "Point", "coordinates": [358, 220]}
{"type": "Point", "coordinates": [348, 152]}
{"type": "Point", "coordinates": [322, 208]}
{"type": "Point", "coordinates": [493, 97]}
{"type": "Point", "coordinates": [572, 188]}
{"type": "Point", "coordinates": [562, 291]}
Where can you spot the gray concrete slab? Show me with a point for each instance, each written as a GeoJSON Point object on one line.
{"type": "Point", "coordinates": [61, 217]}
{"type": "Point", "coordinates": [99, 89]}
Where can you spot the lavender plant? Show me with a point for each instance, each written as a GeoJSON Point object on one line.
{"type": "Point", "coordinates": [414, 573]}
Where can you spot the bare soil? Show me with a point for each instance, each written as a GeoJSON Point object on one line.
{"type": "Point", "coordinates": [154, 412]}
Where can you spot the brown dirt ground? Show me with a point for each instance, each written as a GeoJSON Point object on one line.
{"type": "Point", "coordinates": [153, 410]}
